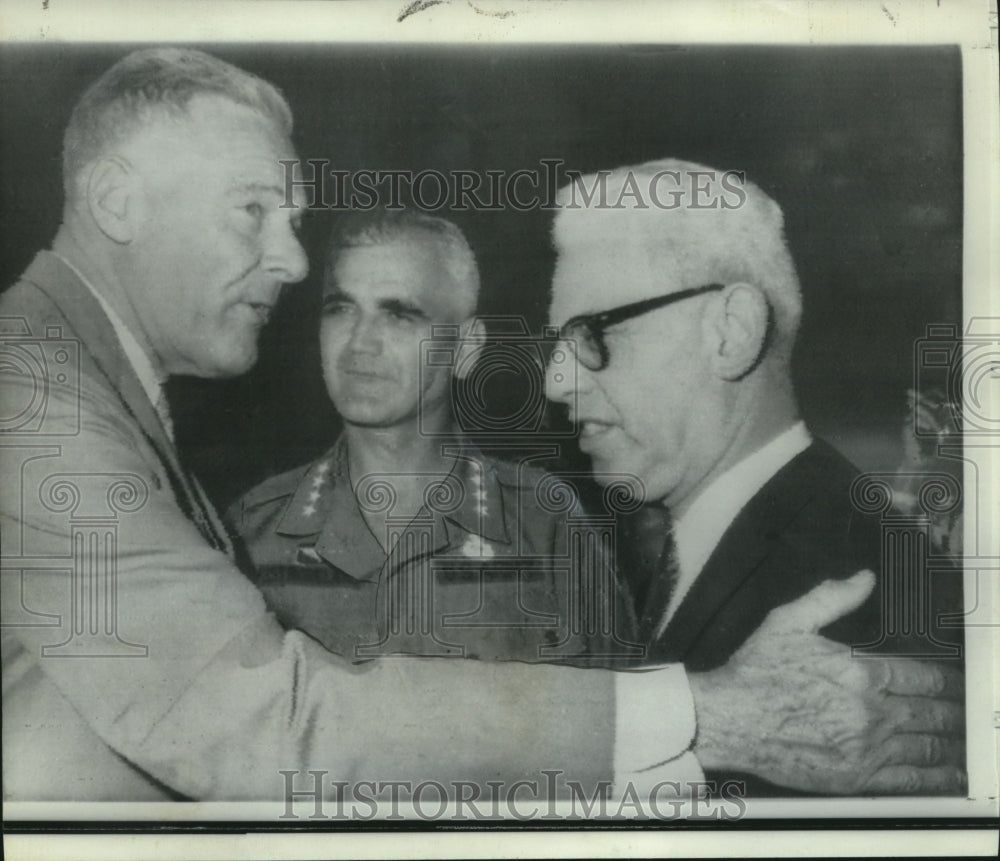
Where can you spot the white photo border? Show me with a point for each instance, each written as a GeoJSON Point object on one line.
{"type": "Point", "coordinates": [970, 25]}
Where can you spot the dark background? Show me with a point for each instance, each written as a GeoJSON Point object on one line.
{"type": "Point", "coordinates": [861, 146]}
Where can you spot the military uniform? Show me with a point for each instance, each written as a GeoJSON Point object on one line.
{"type": "Point", "coordinates": [499, 564]}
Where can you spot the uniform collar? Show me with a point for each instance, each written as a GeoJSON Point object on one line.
{"type": "Point", "coordinates": [465, 518]}
{"type": "Point", "coordinates": [480, 510]}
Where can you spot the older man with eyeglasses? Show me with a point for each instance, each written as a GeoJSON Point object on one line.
{"type": "Point", "coordinates": [681, 320]}
{"type": "Point", "coordinates": [140, 664]}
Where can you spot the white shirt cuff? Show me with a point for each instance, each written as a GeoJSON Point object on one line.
{"type": "Point", "coordinates": [654, 730]}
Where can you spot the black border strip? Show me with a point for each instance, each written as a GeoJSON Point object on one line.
{"type": "Point", "coordinates": [313, 826]}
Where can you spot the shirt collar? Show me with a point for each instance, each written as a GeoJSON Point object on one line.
{"type": "Point", "coordinates": [480, 511]}
{"type": "Point", "coordinates": [698, 531]}
{"type": "Point", "coordinates": [324, 504]}
{"type": "Point", "coordinates": [145, 369]}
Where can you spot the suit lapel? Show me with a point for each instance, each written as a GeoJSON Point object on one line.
{"type": "Point", "coordinates": [83, 312]}
{"type": "Point", "coordinates": [747, 542]}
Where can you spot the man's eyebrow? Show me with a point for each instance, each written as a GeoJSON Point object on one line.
{"type": "Point", "coordinates": [336, 296]}
{"type": "Point", "coordinates": [240, 190]}
{"type": "Point", "coordinates": [240, 187]}
{"type": "Point", "coordinates": [397, 306]}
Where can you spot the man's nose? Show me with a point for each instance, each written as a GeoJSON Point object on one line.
{"type": "Point", "coordinates": [562, 374]}
{"type": "Point", "coordinates": [285, 256]}
{"type": "Point", "coordinates": [366, 336]}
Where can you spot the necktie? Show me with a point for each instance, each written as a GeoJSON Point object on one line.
{"type": "Point", "coordinates": [648, 559]}
{"type": "Point", "coordinates": [190, 494]}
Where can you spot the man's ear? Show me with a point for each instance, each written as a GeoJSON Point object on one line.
{"type": "Point", "coordinates": [472, 339]}
{"type": "Point", "coordinates": [111, 193]}
{"type": "Point", "coordinates": [739, 325]}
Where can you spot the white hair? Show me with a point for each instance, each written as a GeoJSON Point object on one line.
{"type": "Point", "coordinates": [150, 82]}
{"type": "Point", "coordinates": [694, 224]}
{"type": "Point", "coordinates": [393, 226]}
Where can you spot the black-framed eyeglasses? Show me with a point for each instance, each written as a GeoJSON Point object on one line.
{"type": "Point", "coordinates": [586, 331]}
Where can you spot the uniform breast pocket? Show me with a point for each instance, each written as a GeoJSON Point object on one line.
{"type": "Point", "coordinates": [497, 609]}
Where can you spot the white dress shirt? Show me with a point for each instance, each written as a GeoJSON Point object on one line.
{"type": "Point", "coordinates": [698, 531]}
{"type": "Point", "coordinates": [654, 711]}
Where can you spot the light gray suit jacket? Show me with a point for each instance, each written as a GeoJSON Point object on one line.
{"type": "Point", "coordinates": [140, 664]}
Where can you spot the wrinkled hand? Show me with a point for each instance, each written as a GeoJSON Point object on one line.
{"type": "Point", "coordinates": [800, 711]}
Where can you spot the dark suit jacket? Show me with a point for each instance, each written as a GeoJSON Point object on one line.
{"type": "Point", "coordinates": [797, 531]}
{"type": "Point", "coordinates": [800, 529]}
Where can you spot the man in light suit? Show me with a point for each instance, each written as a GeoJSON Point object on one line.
{"type": "Point", "coordinates": [140, 663]}
{"type": "Point", "coordinates": [683, 379]}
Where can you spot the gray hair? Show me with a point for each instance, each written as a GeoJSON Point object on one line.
{"type": "Point", "coordinates": [387, 227]}
{"type": "Point", "coordinates": [157, 79]}
{"type": "Point", "coordinates": [741, 238]}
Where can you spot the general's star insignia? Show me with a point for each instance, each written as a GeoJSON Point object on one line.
{"type": "Point", "coordinates": [477, 547]}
